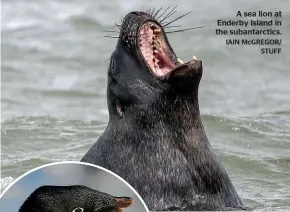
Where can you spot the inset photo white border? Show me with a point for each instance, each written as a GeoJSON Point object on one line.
{"type": "Point", "coordinates": [69, 173]}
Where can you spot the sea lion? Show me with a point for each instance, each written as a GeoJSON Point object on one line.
{"type": "Point", "coordinates": [155, 139]}
{"type": "Point", "coordinates": [75, 198]}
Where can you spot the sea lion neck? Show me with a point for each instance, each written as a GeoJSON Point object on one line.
{"type": "Point", "coordinates": [168, 114]}
{"type": "Point", "coordinates": [162, 100]}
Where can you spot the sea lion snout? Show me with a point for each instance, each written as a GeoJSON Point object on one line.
{"type": "Point", "coordinates": [123, 202]}
{"type": "Point", "coordinates": [190, 69]}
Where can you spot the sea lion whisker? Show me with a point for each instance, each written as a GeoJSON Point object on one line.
{"type": "Point", "coordinates": [168, 16]}
{"type": "Point", "coordinates": [107, 36]}
{"type": "Point", "coordinates": [177, 18]}
{"type": "Point", "coordinates": [156, 13]}
{"type": "Point", "coordinates": [182, 30]}
{"type": "Point", "coordinates": [118, 25]}
{"type": "Point", "coordinates": [173, 26]}
{"type": "Point", "coordinates": [173, 11]}
{"type": "Point", "coordinates": [152, 11]}
{"type": "Point", "coordinates": [163, 13]}
{"type": "Point", "coordinates": [122, 21]}
{"type": "Point", "coordinates": [112, 31]}
{"type": "Point", "coordinates": [130, 36]}
{"type": "Point", "coordinates": [149, 11]}
{"type": "Point", "coordinates": [107, 59]}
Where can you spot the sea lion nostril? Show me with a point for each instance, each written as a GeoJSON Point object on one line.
{"type": "Point", "coordinates": [78, 209]}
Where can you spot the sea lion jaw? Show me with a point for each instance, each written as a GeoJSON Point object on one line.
{"type": "Point", "coordinates": [191, 69]}
{"type": "Point", "coordinates": [146, 39]}
{"type": "Point", "coordinates": [119, 204]}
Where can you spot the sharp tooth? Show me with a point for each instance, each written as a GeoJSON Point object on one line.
{"type": "Point", "coordinates": [194, 57]}
{"type": "Point", "coordinates": [180, 61]}
{"type": "Point", "coordinates": [157, 31]}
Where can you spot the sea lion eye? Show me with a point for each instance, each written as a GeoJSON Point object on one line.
{"type": "Point", "coordinates": [113, 63]}
{"type": "Point", "coordinates": [78, 209]}
{"type": "Point", "coordinates": [119, 111]}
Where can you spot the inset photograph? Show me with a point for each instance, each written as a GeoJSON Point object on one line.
{"type": "Point", "coordinates": [70, 187]}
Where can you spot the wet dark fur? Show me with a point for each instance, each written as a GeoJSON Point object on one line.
{"type": "Point", "coordinates": [67, 198]}
{"type": "Point", "coordinates": [155, 139]}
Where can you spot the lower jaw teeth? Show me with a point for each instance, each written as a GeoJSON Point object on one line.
{"type": "Point", "coordinates": [181, 62]}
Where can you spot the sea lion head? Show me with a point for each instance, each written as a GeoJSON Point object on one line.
{"type": "Point", "coordinates": [75, 198]}
{"type": "Point", "coordinates": [144, 66]}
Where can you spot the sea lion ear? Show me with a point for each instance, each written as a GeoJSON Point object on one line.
{"type": "Point", "coordinates": [78, 209]}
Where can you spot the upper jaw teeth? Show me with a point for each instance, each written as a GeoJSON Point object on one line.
{"type": "Point", "coordinates": [157, 31]}
{"type": "Point", "coordinates": [180, 61]}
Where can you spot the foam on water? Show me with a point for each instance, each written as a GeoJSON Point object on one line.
{"type": "Point", "coordinates": [5, 182]}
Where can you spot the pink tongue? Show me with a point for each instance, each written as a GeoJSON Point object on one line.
{"type": "Point", "coordinates": [165, 60]}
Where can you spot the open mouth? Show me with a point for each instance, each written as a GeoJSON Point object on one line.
{"type": "Point", "coordinates": [156, 50]}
